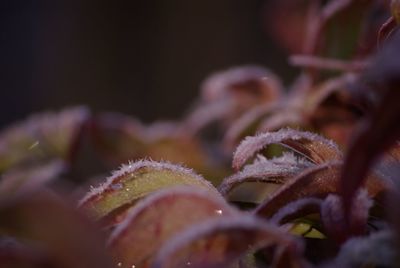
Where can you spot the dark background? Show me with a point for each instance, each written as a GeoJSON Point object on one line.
{"type": "Point", "coordinates": [144, 58]}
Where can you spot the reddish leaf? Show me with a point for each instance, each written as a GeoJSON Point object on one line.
{"type": "Point", "coordinates": [297, 209]}
{"type": "Point", "coordinates": [220, 242]}
{"type": "Point", "coordinates": [253, 183]}
{"type": "Point", "coordinates": [381, 130]}
{"type": "Point", "coordinates": [315, 148]}
{"type": "Point", "coordinates": [160, 217]}
{"type": "Point", "coordinates": [253, 83]}
{"type": "Point", "coordinates": [332, 215]}
{"type": "Point", "coordinates": [319, 182]}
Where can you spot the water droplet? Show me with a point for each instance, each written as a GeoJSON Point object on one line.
{"type": "Point", "coordinates": [188, 263]}
{"type": "Point", "coordinates": [119, 264]}
{"type": "Point", "coordinates": [127, 189]}
{"type": "Point", "coordinates": [218, 211]}
{"type": "Point", "coordinates": [133, 266]}
{"type": "Point", "coordinates": [117, 186]}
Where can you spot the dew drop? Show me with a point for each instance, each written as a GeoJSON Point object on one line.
{"type": "Point", "coordinates": [127, 189]}
{"type": "Point", "coordinates": [188, 263]}
{"type": "Point", "coordinates": [119, 264]}
{"type": "Point", "coordinates": [218, 211]}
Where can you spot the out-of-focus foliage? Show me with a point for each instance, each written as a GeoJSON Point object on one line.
{"type": "Point", "coordinates": [315, 167]}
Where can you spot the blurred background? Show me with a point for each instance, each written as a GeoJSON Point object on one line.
{"type": "Point", "coordinates": [142, 58]}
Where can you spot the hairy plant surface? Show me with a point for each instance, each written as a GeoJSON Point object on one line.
{"type": "Point", "coordinates": [314, 174]}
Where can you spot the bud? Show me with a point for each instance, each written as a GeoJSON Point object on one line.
{"type": "Point", "coordinates": [395, 7]}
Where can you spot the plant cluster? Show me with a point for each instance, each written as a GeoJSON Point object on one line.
{"type": "Point", "coordinates": [313, 180]}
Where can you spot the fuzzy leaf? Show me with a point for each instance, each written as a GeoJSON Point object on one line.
{"type": "Point", "coordinates": [314, 147]}
{"type": "Point", "coordinates": [120, 138]}
{"type": "Point", "coordinates": [220, 242]}
{"type": "Point", "coordinates": [256, 180]}
{"type": "Point", "coordinates": [133, 182]}
{"type": "Point", "coordinates": [246, 124]}
{"type": "Point", "coordinates": [381, 129]}
{"type": "Point", "coordinates": [379, 249]}
{"type": "Point", "coordinates": [42, 137]}
{"type": "Point", "coordinates": [246, 84]}
{"type": "Point", "coordinates": [160, 217]}
{"type": "Point", "coordinates": [297, 209]}
{"type": "Point", "coordinates": [319, 182]}
{"type": "Point", "coordinates": [332, 215]}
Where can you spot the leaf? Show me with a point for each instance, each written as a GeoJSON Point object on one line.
{"type": "Point", "coordinates": [118, 138]}
{"type": "Point", "coordinates": [395, 8]}
{"type": "Point", "coordinates": [296, 209]}
{"type": "Point", "coordinates": [15, 254]}
{"type": "Point", "coordinates": [245, 84]}
{"type": "Point", "coordinates": [312, 146]}
{"type": "Point", "coordinates": [381, 129]}
{"type": "Point", "coordinates": [228, 94]}
{"type": "Point", "coordinates": [160, 217]}
{"type": "Point", "coordinates": [246, 124]}
{"type": "Point", "coordinates": [41, 137]}
{"type": "Point", "coordinates": [341, 27]}
{"type": "Point", "coordinates": [220, 242]}
{"type": "Point", "coordinates": [133, 182]}
{"type": "Point", "coordinates": [52, 231]}
{"type": "Point", "coordinates": [22, 180]}
{"type": "Point", "coordinates": [318, 182]}
{"type": "Point", "coordinates": [379, 249]}
{"type": "Point", "coordinates": [332, 215]}
{"type": "Point", "coordinates": [253, 183]}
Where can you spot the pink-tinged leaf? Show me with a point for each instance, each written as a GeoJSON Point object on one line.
{"type": "Point", "coordinates": [221, 242]}
{"type": "Point", "coordinates": [318, 182]}
{"type": "Point", "coordinates": [44, 222]}
{"type": "Point", "coordinates": [208, 113]}
{"type": "Point", "coordinates": [246, 84]}
{"type": "Point", "coordinates": [22, 180]}
{"type": "Point", "coordinates": [340, 20]}
{"type": "Point", "coordinates": [332, 215]}
{"type": "Point", "coordinates": [381, 128]}
{"type": "Point", "coordinates": [41, 137]}
{"type": "Point", "coordinates": [120, 138]}
{"type": "Point", "coordinates": [134, 181]}
{"type": "Point", "coordinates": [386, 31]}
{"type": "Point", "coordinates": [246, 124]}
{"type": "Point", "coordinates": [297, 209]}
{"type": "Point", "coordinates": [158, 218]}
{"type": "Point", "coordinates": [256, 181]}
{"type": "Point", "coordinates": [312, 146]}
{"type": "Point", "coordinates": [117, 138]}
{"type": "Point", "coordinates": [379, 249]}
{"type": "Point", "coordinates": [323, 91]}
{"type": "Point", "coordinates": [285, 118]}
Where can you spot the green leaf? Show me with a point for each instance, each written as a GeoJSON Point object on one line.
{"type": "Point", "coordinates": [133, 182]}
